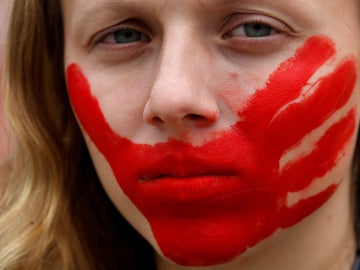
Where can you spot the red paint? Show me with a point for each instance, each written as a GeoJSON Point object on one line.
{"type": "Point", "coordinates": [208, 204]}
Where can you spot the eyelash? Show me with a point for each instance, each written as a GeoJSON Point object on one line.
{"type": "Point", "coordinates": [259, 23]}
{"type": "Point", "coordinates": [108, 36]}
{"type": "Point", "coordinates": [126, 29]}
{"type": "Point", "coordinates": [238, 21]}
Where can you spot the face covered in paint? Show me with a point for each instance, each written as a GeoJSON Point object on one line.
{"type": "Point", "coordinates": [214, 125]}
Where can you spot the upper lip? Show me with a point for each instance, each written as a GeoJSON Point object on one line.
{"type": "Point", "coordinates": [189, 161]}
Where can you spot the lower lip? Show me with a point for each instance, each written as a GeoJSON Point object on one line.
{"type": "Point", "coordinates": [190, 190]}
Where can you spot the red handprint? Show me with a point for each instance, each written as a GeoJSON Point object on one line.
{"type": "Point", "coordinates": [273, 124]}
{"type": "Point", "coordinates": [208, 204]}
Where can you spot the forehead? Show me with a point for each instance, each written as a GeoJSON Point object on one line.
{"type": "Point", "coordinates": [87, 9]}
{"type": "Point", "coordinates": [309, 13]}
{"type": "Point", "coordinates": [98, 5]}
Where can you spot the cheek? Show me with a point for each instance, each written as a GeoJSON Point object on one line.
{"type": "Point", "coordinates": [121, 97]}
{"type": "Point", "coordinates": [116, 194]}
{"type": "Point", "coordinates": [237, 87]}
{"type": "Point", "coordinates": [233, 192]}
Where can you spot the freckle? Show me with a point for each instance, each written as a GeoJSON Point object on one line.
{"type": "Point", "coordinates": [234, 76]}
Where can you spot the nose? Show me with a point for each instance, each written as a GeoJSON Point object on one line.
{"type": "Point", "coordinates": [181, 96]}
{"type": "Point", "coordinates": [177, 105]}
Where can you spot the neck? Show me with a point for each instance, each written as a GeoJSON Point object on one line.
{"type": "Point", "coordinates": [323, 240]}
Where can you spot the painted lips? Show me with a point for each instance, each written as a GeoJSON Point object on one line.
{"type": "Point", "coordinates": [208, 204]}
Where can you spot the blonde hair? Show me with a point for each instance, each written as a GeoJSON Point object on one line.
{"type": "Point", "coordinates": [54, 213]}
{"type": "Point", "coordinates": [34, 209]}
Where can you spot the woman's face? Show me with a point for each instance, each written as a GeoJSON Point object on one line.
{"type": "Point", "coordinates": [214, 124]}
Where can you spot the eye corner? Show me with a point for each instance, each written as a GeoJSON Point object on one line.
{"type": "Point", "coordinates": [266, 26]}
{"type": "Point", "coordinates": [128, 33]}
{"type": "Point", "coordinates": [270, 38]}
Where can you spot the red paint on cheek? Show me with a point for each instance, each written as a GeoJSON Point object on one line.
{"type": "Point", "coordinates": [208, 204]}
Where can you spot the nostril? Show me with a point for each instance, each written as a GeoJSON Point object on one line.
{"type": "Point", "coordinates": [195, 117]}
{"type": "Point", "coordinates": [199, 120]}
{"type": "Point", "coordinates": [157, 120]}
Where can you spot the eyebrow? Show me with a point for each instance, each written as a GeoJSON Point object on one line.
{"type": "Point", "coordinates": [216, 3]}
{"type": "Point", "coordinates": [135, 5]}
{"type": "Point", "coordinates": [116, 6]}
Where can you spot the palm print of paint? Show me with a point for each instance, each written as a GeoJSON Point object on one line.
{"type": "Point", "coordinates": [284, 128]}
{"type": "Point", "coordinates": [250, 208]}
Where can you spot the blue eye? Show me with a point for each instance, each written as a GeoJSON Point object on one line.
{"type": "Point", "coordinates": [256, 30]}
{"type": "Point", "coordinates": [253, 30]}
{"type": "Point", "coordinates": [125, 36]}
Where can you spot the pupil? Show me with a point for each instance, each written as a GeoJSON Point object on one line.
{"type": "Point", "coordinates": [126, 36]}
{"type": "Point", "coordinates": [257, 30]}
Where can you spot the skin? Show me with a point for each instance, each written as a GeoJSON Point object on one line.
{"type": "Point", "coordinates": [156, 89]}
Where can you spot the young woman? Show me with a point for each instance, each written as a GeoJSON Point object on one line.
{"type": "Point", "coordinates": [222, 131]}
